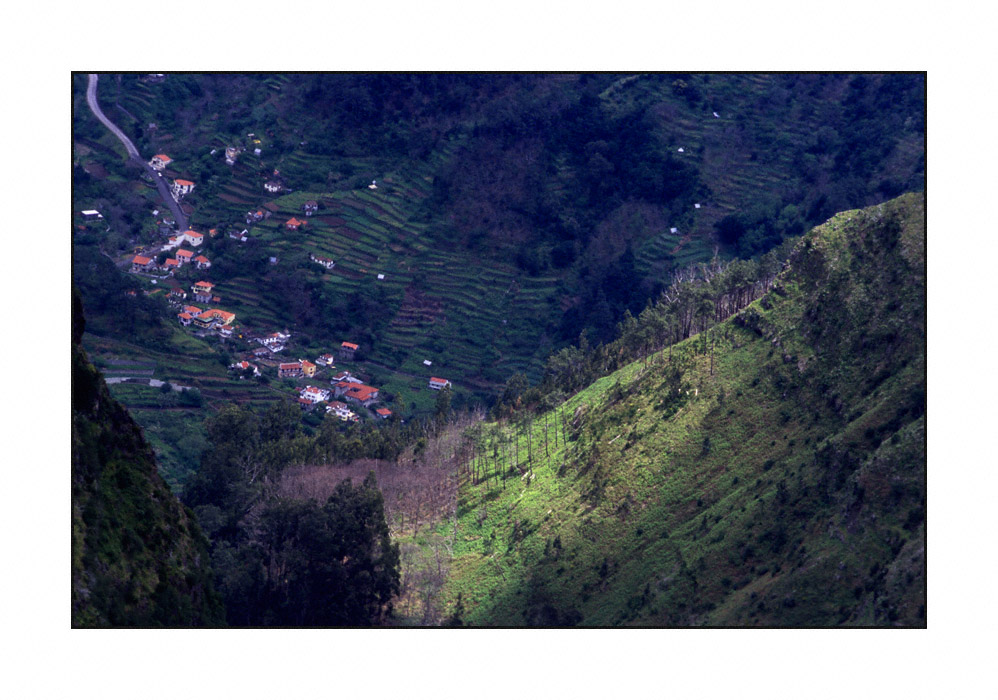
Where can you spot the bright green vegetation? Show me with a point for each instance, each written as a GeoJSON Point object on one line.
{"type": "Point", "coordinates": [780, 481]}
{"type": "Point", "coordinates": [139, 557]}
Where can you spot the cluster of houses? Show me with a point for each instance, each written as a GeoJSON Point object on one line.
{"type": "Point", "coordinates": [142, 263]}
{"type": "Point", "coordinates": [207, 319]}
{"type": "Point", "coordinates": [310, 397]}
{"type": "Point", "coordinates": [346, 387]}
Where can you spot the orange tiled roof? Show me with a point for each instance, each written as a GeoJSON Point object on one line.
{"type": "Point", "coordinates": [183, 183]}
{"type": "Point", "coordinates": [361, 392]}
{"type": "Point", "coordinates": [351, 346]}
{"type": "Point", "coordinates": [163, 157]}
{"type": "Point", "coordinates": [139, 260]}
{"type": "Point", "coordinates": [225, 317]}
{"type": "Point", "coordinates": [184, 253]}
{"type": "Point", "coordinates": [383, 412]}
{"type": "Point", "coordinates": [438, 380]}
{"type": "Point", "coordinates": [201, 258]}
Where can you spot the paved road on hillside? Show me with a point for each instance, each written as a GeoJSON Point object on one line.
{"type": "Point", "coordinates": [133, 153]}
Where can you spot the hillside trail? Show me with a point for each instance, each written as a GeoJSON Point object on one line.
{"type": "Point", "coordinates": [133, 153]}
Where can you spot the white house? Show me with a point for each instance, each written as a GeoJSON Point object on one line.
{"type": "Point", "coordinates": [341, 410]}
{"type": "Point", "coordinates": [437, 383]}
{"type": "Point", "coordinates": [181, 188]}
{"type": "Point", "coordinates": [272, 186]}
{"type": "Point", "coordinates": [243, 366]}
{"type": "Point", "coordinates": [193, 237]}
{"type": "Point", "coordinates": [91, 214]}
{"type": "Point", "coordinates": [327, 263]}
{"type": "Point", "coordinates": [160, 161]}
{"type": "Point", "coordinates": [315, 394]}
{"type": "Point", "coordinates": [174, 241]}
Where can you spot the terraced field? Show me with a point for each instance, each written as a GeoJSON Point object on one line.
{"type": "Point", "coordinates": [477, 325]}
{"type": "Point", "coordinates": [442, 309]}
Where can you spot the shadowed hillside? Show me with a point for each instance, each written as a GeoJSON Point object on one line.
{"type": "Point", "coordinates": [139, 557]}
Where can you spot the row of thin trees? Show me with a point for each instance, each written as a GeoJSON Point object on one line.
{"type": "Point", "coordinates": [698, 298]}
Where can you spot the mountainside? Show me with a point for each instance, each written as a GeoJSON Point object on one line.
{"type": "Point", "coordinates": [138, 556]}
{"type": "Point", "coordinates": [770, 471]}
{"type": "Point", "coordinates": [511, 211]}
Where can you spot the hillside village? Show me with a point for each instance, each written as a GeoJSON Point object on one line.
{"type": "Point", "coordinates": [259, 352]}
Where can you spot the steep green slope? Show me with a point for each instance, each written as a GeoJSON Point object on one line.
{"type": "Point", "coordinates": [778, 480]}
{"type": "Point", "coordinates": [138, 556]}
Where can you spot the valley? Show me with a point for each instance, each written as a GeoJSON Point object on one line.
{"type": "Point", "coordinates": [619, 350]}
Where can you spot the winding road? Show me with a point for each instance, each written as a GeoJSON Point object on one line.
{"type": "Point", "coordinates": [133, 153]}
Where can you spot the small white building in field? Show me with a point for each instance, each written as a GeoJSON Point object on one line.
{"type": "Point", "coordinates": [436, 383]}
